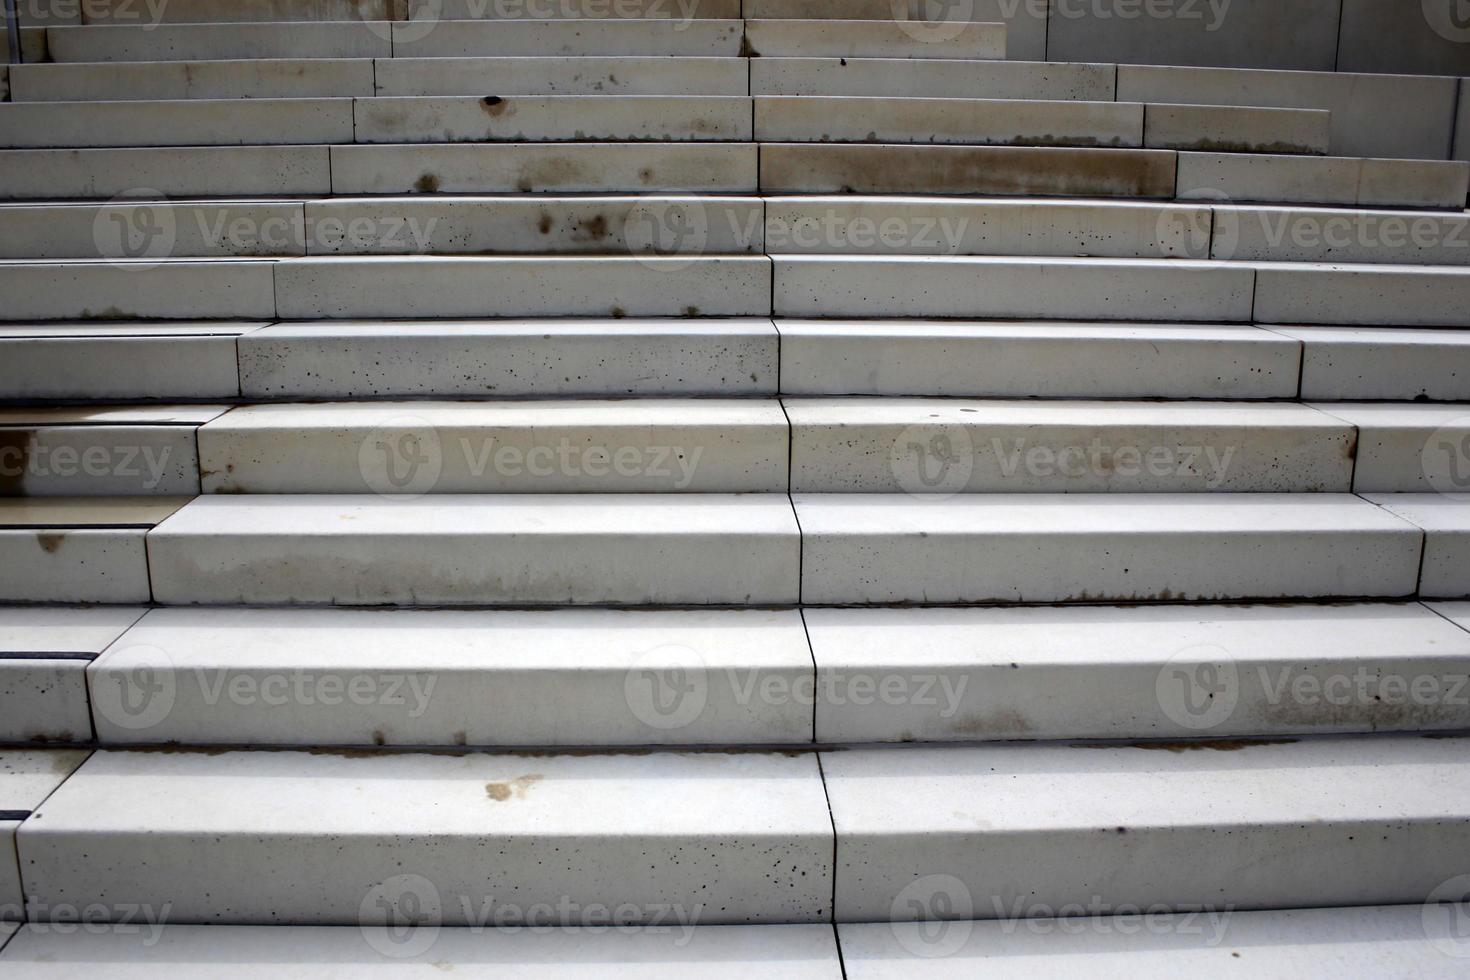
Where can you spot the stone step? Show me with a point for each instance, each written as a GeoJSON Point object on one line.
{"type": "Point", "coordinates": [1395, 363]}
{"type": "Point", "coordinates": [577, 677]}
{"type": "Point", "coordinates": [1340, 235]}
{"type": "Point", "coordinates": [509, 358]}
{"type": "Point", "coordinates": [1026, 24]}
{"type": "Point", "coordinates": [686, 11]}
{"type": "Point", "coordinates": [543, 168]}
{"type": "Point", "coordinates": [77, 549]}
{"type": "Point", "coordinates": [164, 80]}
{"type": "Point", "coordinates": [923, 548]}
{"type": "Point", "coordinates": [228, 122]}
{"type": "Point", "coordinates": [1003, 832]}
{"type": "Point", "coordinates": [44, 653]}
{"type": "Point", "coordinates": [929, 78]}
{"type": "Point", "coordinates": [27, 777]}
{"type": "Point", "coordinates": [1381, 940]}
{"type": "Point", "coordinates": [1367, 295]}
{"type": "Point", "coordinates": [1298, 179]}
{"type": "Point", "coordinates": [126, 229]}
{"type": "Point", "coordinates": [216, 11]}
{"type": "Point", "coordinates": [1407, 448]}
{"type": "Point", "coordinates": [1406, 116]}
{"type": "Point", "coordinates": [1047, 360]}
{"type": "Point", "coordinates": [101, 452]}
{"type": "Point", "coordinates": [814, 168]}
{"type": "Point", "coordinates": [675, 951]}
{"type": "Point", "coordinates": [561, 76]}
{"type": "Point", "coordinates": [946, 446]}
{"type": "Point", "coordinates": [846, 119]}
{"type": "Point", "coordinates": [130, 290]}
{"type": "Point", "coordinates": [640, 446]}
{"type": "Point", "coordinates": [1004, 287]}
{"type": "Point", "coordinates": [1017, 226]}
{"type": "Point", "coordinates": [182, 171]}
{"type": "Point", "coordinates": [744, 837]}
{"type": "Point", "coordinates": [885, 38]}
{"type": "Point", "coordinates": [464, 286]}
{"type": "Point", "coordinates": [1237, 129]}
{"type": "Point", "coordinates": [1117, 672]}
{"type": "Point", "coordinates": [569, 38]}
{"type": "Point", "coordinates": [139, 361]}
{"type": "Point", "coordinates": [513, 549]}
{"type": "Point", "coordinates": [1445, 518]}
{"type": "Point", "coordinates": [553, 118]}
{"type": "Point", "coordinates": [219, 42]}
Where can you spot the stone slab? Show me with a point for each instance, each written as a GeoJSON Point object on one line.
{"type": "Point", "coordinates": [219, 42]}
{"type": "Point", "coordinates": [886, 38]}
{"type": "Point", "coordinates": [1397, 363]}
{"type": "Point", "coordinates": [1445, 518]}
{"type": "Point", "coordinates": [177, 289]}
{"type": "Point", "coordinates": [1425, 38]}
{"type": "Point", "coordinates": [1407, 448]}
{"type": "Point", "coordinates": [561, 76]}
{"type": "Point", "coordinates": [139, 361]}
{"type": "Point", "coordinates": [552, 118]}
{"type": "Point", "coordinates": [932, 79]}
{"type": "Point", "coordinates": [1025, 22]}
{"type": "Point", "coordinates": [158, 80]}
{"type": "Point", "coordinates": [198, 122]}
{"type": "Point", "coordinates": [848, 119]}
{"type": "Point", "coordinates": [1364, 295]}
{"type": "Point", "coordinates": [1296, 179]}
{"type": "Point", "coordinates": [187, 171]}
{"type": "Point", "coordinates": [151, 229]}
{"type": "Point", "coordinates": [1341, 235]}
{"type": "Point", "coordinates": [1237, 129]}
{"type": "Point", "coordinates": [569, 38]}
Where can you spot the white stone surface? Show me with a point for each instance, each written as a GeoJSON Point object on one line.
{"type": "Point", "coordinates": [77, 549]}
{"type": "Point", "coordinates": [813, 168]}
{"type": "Point", "coordinates": [649, 224]}
{"type": "Point", "coordinates": [182, 171]}
{"type": "Point", "coordinates": [561, 76]}
{"type": "Point", "coordinates": [1134, 672]}
{"type": "Point", "coordinates": [7, 929]}
{"type": "Point", "coordinates": [111, 361]}
{"type": "Point", "coordinates": [252, 79]}
{"type": "Point", "coordinates": [1341, 235]}
{"type": "Point", "coordinates": [1017, 360]}
{"type": "Point", "coordinates": [26, 777]}
{"type": "Point", "coordinates": [43, 668]}
{"type": "Point", "coordinates": [532, 168]}
{"type": "Point", "coordinates": [1445, 518]}
{"type": "Point", "coordinates": [984, 286]}
{"type": "Point", "coordinates": [1406, 448]}
{"type": "Point", "coordinates": [930, 79]}
{"type": "Point", "coordinates": [686, 12]}
{"type": "Point", "coordinates": [602, 549]}
{"type": "Point", "coordinates": [1025, 23]}
{"type": "Point", "coordinates": [1040, 826]}
{"type": "Point", "coordinates": [848, 119]}
{"type": "Point", "coordinates": [44, 456]}
{"type": "Point", "coordinates": [880, 548]}
{"type": "Point", "coordinates": [298, 838]}
{"type": "Point", "coordinates": [1407, 116]}
{"type": "Point", "coordinates": [1397, 363]}
{"type": "Point", "coordinates": [914, 445]}
{"type": "Point", "coordinates": [177, 289]}
{"type": "Point", "coordinates": [464, 286]}
{"type": "Point", "coordinates": [1237, 129]}
{"type": "Point", "coordinates": [232, 11]}
{"type": "Point", "coordinates": [198, 122]}
{"type": "Point", "coordinates": [453, 677]}
{"type": "Point", "coordinates": [569, 38]}
{"type": "Point", "coordinates": [527, 358]}
{"type": "Point", "coordinates": [985, 226]}
{"type": "Point", "coordinates": [1367, 295]}
{"type": "Point", "coordinates": [1297, 179]}
{"type": "Point", "coordinates": [800, 952]}
{"type": "Point", "coordinates": [151, 229]}
{"type": "Point", "coordinates": [1377, 940]}
{"type": "Point", "coordinates": [637, 446]}
{"type": "Point", "coordinates": [219, 42]}
{"type": "Point", "coordinates": [552, 118]}
{"type": "Point", "coordinates": [1245, 34]}
{"type": "Point", "coordinates": [884, 38]}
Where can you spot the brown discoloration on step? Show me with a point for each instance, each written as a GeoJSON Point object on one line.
{"type": "Point", "coordinates": [427, 184]}
{"type": "Point", "coordinates": [1214, 745]}
{"type": "Point", "coordinates": [15, 456]}
{"type": "Point", "coordinates": [51, 541]}
{"type": "Point", "coordinates": [494, 105]}
{"type": "Point", "coordinates": [518, 787]}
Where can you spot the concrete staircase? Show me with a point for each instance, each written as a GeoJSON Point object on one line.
{"type": "Point", "coordinates": [662, 489]}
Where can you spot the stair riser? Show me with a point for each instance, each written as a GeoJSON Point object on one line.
{"type": "Point", "coordinates": [885, 38]}
{"type": "Point", "coordinates": [48, 461]}
{"type": "Point", "coordinates": [915, 78]}
{"type": "Point", "coordinates": [162, 80]}
{"type": "Point", "coordinates": [121, 367]}
{"type": "Point", "coordinates": [823, 120]}
{"type": "Point", "coordinates": [69, 565]}
{"type": "Point", "coordinates": [521, 119]}
{"type": "Point", "coordinates": [176, 172]}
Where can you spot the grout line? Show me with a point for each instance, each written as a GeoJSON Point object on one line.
{"type": "Point", "coordinates": [832, 818]}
